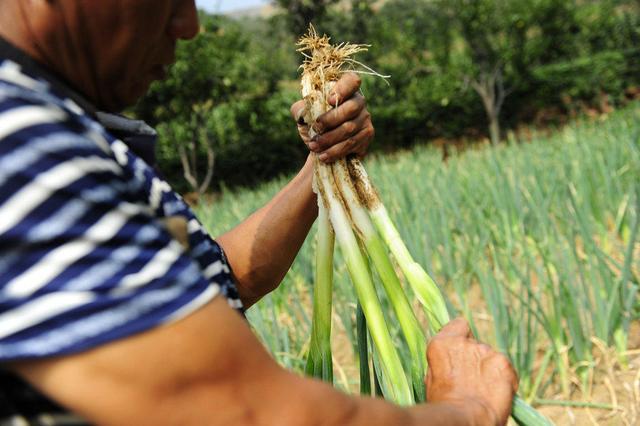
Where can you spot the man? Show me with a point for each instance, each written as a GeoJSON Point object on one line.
{"type": "Point", "coordinates": [114, 303]}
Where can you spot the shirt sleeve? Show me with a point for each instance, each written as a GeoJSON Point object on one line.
{"type": "Point", "coordinates": [85, 259]}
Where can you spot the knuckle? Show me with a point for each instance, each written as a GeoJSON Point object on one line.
{"type": "Point", "coordinates": [484, 349]}
{"type": "Point", "coordinates": [502, 363]}
{"type": "Point", "coordinates": [436, 345]}
{"type": "Point", "coordinates": [326, 143]}
{"type": "Point", "coordinates": [320, 124]}
{"type": "Point", "coordinates": [369, 132]}
{"type": "Point", "coordinates": [459, 341]}
{"type": "Point", "coordinates": [342, 149]}
{"type": "Point", "coordinates": [354, 108]}
{"type": "Point", "coordinates": [327, 157]}
{"type": "Point", "coordinates": [350, 127]}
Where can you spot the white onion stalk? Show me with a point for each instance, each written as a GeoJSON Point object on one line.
{"type": "Point", "coordinates": [328, 195]}
{"type": "Point", "coordinates": [423, 286]}
{"type": "Point", "coordinates": [374, 245]}
{"type": "Point", "coordinates": [320, 362]}
{"type": "Point", "coordinates": [359, 273]}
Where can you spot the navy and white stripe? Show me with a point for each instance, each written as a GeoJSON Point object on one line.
{"type": "Point", "coordinates": [85, 258]}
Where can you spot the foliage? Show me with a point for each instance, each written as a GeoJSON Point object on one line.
{"type": "Point", "coordinates": [419, 63]}
{"type": "Point", "coordinates": [231, 88]}
{"type": "Point", "coordinates": [583, 77]}
{"type": "Point", "coordinates": [301, 13]}
{"type": "Point", "coordinates": [224, 92]}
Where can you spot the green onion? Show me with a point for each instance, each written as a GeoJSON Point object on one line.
{"type": "Point", "coordinates": [359, 272]}
{"type": "Point", "coordinates": [374, 245]}
{"type": "Point", "coordinates": [423, 286]}
{"type": "Point", "coordinates": [319, 362]}
{"type": "Point", "coordinates": [361, 223]}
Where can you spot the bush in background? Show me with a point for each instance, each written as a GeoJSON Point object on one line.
{"type": "Point", "coordinates": [230, 90]}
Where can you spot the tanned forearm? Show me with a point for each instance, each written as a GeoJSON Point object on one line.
{"type": "Point", "coordinates": [190, 373]}
{"type": "Point", "coordinates": [320, 404]}
{"type": "Point", "coordinates": [262, 248]}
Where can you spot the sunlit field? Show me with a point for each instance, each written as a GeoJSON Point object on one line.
{"type": "Point", "coordinates": [535, 242]}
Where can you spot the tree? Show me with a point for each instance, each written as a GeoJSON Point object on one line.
{"type": "Point", "coordinates": [301, 13]}
{"type": "Point", "coordinates": [412, 42]}
{"type": "Point", "coordinates": [210, 72]}
{"type": "Point", "coordinates": [485, 28]}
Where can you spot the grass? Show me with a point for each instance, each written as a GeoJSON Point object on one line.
{"type": "Point", "coordinates": [536, 244]}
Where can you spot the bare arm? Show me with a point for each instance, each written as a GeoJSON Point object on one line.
{"type": "Point", "coordinates": [193, 372]}
{"type": "Point", "coordinates": [262, 248]}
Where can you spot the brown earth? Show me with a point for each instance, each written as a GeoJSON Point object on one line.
{"type": "Point", "coordinates": [613, 385]}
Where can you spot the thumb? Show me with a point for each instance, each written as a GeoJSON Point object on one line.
{"type": "Point", "coordinates": [298, 112]}
{"type": "Point", "coordinates": [457, 327]}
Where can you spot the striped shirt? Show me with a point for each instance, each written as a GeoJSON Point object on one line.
{"type": "Point", "coordinates": [87, 255]}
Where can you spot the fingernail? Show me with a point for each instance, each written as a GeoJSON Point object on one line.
{"type": "Point", "coordinates": [316, 138]}
{"type": "Point", "coordinates": [323, 157]}
{"type": "Point", "coordinates": [313, 146]}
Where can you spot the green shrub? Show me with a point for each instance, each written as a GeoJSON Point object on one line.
{"type": "Point", "coordinates": [584, 78]}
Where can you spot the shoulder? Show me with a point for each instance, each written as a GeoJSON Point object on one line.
{"type": "Point", "coordinates": [47, 151]}
{"type": "Point", "coordinates": [32, 118]}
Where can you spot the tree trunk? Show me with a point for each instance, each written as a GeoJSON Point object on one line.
{"type": "Point", "coordinates": [490, 88]}
{"type": "Point", "coordinates": [186, 167]}
{"type": "Point", "coordinates": [494, 127]}
{"type": "Point", "coordinates": [209, 176]}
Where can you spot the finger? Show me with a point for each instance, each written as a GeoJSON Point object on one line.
{"type": "Point", "coordinates": [339, 134]}
{"type": "Point", "coordinates": [297, 112]}
{"type": "Point", "coordinates": [303, 131]}
{"type": "Point", "coordinates": [457, 327]}
{"type": "Point", "coordinates": [484, 349]}
{"type": "Point", "coordinates": [344, 88]}
{"type": "Point", "coordinates": [428, 380]}
{"type": "Point", "coordinates": [335, 117]}
{"type": "Point", "coordinates": [355, 143]}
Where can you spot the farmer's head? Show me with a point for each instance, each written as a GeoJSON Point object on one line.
{"type": "Point", "coordinates": [110, 50]}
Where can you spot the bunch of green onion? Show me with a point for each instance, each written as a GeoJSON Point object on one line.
{"type": "Point", "coordinates": [351, 211]}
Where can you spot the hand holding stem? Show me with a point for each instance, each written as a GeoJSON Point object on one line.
{"type": "Point", "coordinates": [470, 375]}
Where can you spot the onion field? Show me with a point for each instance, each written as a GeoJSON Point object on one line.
{"type": "Point", "coordinates": [536, 242]}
